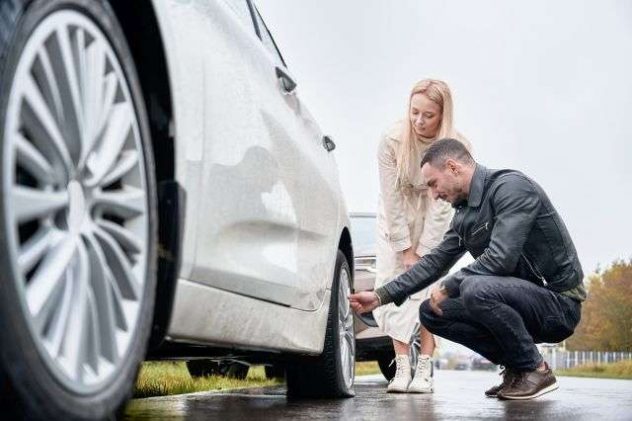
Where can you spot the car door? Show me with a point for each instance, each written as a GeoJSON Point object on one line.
{"type": "Point", "coordinates": [250, 216]}
{"type": "Point", "coordinates": [307, 170]}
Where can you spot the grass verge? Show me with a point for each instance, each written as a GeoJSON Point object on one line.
{"type": "Point", "coordinates": [618, 370]}
{"type": "Point", "coordinates": [367, 367]}
{"type": "Point", "coordinates": [162, 378]}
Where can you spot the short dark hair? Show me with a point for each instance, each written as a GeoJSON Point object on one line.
{"type": "Point", "coordinates": [443, 149]}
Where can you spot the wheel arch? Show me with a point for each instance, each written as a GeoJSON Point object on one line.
{"type": "Point", "coordinates": [142, 32]}
{"type": "Point", "coordinates": [346, 247]}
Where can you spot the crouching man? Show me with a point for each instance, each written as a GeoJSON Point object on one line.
{"type": "Point", "coordinates": [525, 286]}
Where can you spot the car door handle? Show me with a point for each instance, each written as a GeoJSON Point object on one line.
{"type": "Point", "coordinates": [328, 144]}
{"type": "Point", "coordinates": [285, 80]}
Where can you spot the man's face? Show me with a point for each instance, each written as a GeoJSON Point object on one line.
{"type": "Point", "coordinates": [445, 183]}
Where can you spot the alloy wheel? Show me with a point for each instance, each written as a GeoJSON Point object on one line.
{"type": "Point", "coordinates": [76, 202]}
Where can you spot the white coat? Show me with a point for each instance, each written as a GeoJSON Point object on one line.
{"type": "Point", "coordinates": [407, 217]}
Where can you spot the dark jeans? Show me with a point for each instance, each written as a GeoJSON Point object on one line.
{"type": "Point", "coordinates": [502, 318]}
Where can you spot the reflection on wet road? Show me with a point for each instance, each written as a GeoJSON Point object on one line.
{"type": "Point", "coordinates": [458, 395]}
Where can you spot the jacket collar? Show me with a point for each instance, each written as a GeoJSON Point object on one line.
{"type": "Point", "coordinates": [477, 186]}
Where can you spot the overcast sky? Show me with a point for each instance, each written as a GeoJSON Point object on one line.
{"type": "Point", "coordinates": [543, 87]}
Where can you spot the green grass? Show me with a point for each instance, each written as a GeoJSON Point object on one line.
{"type": "Point", "coordinates": [618, 370]}
{"type": "Point", "coordinates": [367, 367]}
{"type": "Point", "coordinates": [162, 378]}
{"type": "Point", "coordinates": [172, 378]}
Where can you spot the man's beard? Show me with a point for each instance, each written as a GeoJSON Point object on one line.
{"type": "Point", "coordinates": [460, 197]}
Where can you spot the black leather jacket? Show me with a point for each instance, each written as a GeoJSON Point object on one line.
{"type": "Point", "coordinates": [510, 227]}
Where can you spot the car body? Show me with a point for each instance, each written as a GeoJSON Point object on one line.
{"type": "Point", "coordinates": [168, 192]}
{"type": "Point", "coordinates": [273, 216]}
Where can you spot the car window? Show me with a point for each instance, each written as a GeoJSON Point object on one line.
{"type": "Point", "coordinates": [242, 11]}
{"type": "Point", "coordinates": [268, 41]}
{"type": "Point", "coordinates": [363, 234]}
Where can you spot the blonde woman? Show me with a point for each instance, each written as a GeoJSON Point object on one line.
{"type": "Point", "coordinates": [410, 223]}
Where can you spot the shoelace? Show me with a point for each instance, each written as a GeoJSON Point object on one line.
{"type": "Point", "coordinates": [505, 373]}
{"type": "Point", "coordinates": [401, 370]}
{"type": "Point", "coordinates": [423, 365]}
{"type": "Point", "coordinates": [518, 378]}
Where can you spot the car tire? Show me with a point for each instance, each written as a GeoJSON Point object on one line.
{"type": "Point", "coordinates": [7, 397]}
{"type": "Point", "coordinates": [387, 365]}
{"type": "Point", "coordinates": [205, 368]}
{"type": "Point", "coordinates": [71, 346]}
{"type": "Point", "coordinates": [331, 374]}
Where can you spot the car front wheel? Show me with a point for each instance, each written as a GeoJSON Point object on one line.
{"type": "Point", "coordinates": [77, 211]}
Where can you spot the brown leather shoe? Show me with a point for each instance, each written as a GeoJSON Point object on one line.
{"type": "Point", "coordinates": [529, 385]}
{"type": "Point", "coordinates": [508, 377]}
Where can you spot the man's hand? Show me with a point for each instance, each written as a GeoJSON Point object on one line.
{"type": "Point", "coordinates": [437, 296]}
{"type": "Point", "coordinates": [363, 302]}
{"type": "Point", "coordinates": [409, 258]}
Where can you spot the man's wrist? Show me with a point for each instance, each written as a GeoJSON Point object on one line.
{"type": "Point", "coordinates": [383, 296]}
{"type": "Point", "coordinates": [379, 300]}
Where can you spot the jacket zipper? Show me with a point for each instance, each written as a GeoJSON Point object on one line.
{"type": "Point", "coordinates": [534, 270]}
{"type": "Point", "coordinates": [479, 229]}
{"type": "Point", "coordinates": [456, 223]}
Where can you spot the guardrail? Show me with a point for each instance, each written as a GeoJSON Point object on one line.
{"type": "Point", "coordinates": [562, 359]}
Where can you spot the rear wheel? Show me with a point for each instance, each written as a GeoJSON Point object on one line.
{"type": "Point", "coordinates": [276, 371]}
{"type": "Point", "coordinates": [77, 212]}
{"type": "Point", "coordinates": [331, 374]}
{"type": "Point", "coordinates": [387, 364]}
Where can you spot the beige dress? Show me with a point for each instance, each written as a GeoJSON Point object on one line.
{"type": "Point", "coordinates": [407, 216]}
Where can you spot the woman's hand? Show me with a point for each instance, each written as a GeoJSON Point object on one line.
{"type": "Point", "coordinates": [410, 258]}
{"type": "Point", "coordinates": [363, 302]}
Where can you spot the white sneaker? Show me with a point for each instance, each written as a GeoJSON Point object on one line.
{"type": "Point", "coordinates": [399, 383]}
{"type": "Point", "coordinates": [423, 381]}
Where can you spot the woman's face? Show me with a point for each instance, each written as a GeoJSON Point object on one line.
{"type": "Point", "coordinates": [425, 116]}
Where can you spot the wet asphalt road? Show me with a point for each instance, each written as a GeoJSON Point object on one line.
{"type": "Point", "coordinates": [458, 396]}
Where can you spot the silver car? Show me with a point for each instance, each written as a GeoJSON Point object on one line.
{"type": "Point", "coordinates": [371, 343]}
{"type": "Point", "coordinates": [165, 194]}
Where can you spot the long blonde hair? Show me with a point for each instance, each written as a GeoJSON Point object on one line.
{"type": "Point", "coordinates": [438, 92]}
